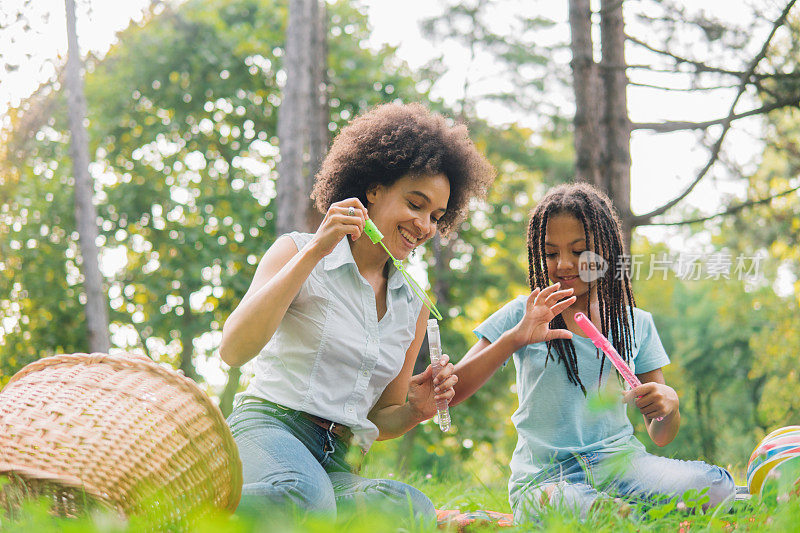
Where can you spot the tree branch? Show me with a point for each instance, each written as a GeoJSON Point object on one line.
{"type": "Point", "coordinates": [726, 124]}
{"type": "Point", "coordinates": [698, 65]}
{"type": "Point", "coordinates": [729, 211]}
{"type": "Point", "coordinates": [755, 77]}
{"type": "Point", "coordinates": [682, 89]}
{"type": "Point", "coordinates": [679, 125]}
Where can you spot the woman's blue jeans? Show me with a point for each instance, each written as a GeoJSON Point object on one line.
{"type": "Point", "coordinates": [289, 461]}
{"type": "Point", "coordinates": [635, 476]}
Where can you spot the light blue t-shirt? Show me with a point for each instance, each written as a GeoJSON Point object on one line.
{"type": "Point", "coordinates": [554, 419]}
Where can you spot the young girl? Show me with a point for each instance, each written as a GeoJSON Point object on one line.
{"type": "Point", "coordinates": [336, 327]}
{"type": "Point", "coordinates": [570, 452]}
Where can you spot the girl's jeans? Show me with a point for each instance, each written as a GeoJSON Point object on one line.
{"type": "Point", "coordinates": [635, 476]}
{"type": "Point", "coordinates": [288, 461]}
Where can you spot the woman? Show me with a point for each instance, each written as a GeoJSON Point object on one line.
{"type": "Point", "coordinates": [335, 326]}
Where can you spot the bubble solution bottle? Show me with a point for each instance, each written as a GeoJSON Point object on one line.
{"type": "Point", "coordinates": [435, 348]}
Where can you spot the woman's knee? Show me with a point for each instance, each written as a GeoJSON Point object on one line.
{"type": "Point", "coordinates": [292, 489]}
{"type": "Point", "coordinates": [407, 497]}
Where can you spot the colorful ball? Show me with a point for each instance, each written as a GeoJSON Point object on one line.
{"type": "Point", "coordinates": [780, 447]}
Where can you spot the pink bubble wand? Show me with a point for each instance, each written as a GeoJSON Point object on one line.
{"type": "Point", "coordinates": [599, 340]}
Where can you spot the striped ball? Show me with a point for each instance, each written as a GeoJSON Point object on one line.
{"type": "Point", "coordinates": [775, 451]}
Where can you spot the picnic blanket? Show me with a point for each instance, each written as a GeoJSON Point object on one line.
{"type": "Point", "coordinates": [461, 522]}
{"type": "Point", "coordinates": [454, 518]}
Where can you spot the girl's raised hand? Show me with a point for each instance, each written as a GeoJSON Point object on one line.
{"type": "Point", "coordinates": [541, 308]}
{"type": "Point", "coordinates": [342, 218]}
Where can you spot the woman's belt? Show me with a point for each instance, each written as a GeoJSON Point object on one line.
{"type": "Point", "coordinates": [341, 431]}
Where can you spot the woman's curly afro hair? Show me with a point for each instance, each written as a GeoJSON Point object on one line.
{"type": "Point", "coordinates": [395, 140]}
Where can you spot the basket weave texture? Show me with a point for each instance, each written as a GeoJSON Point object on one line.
{"type": "Point", "coordinates": [119, 431]}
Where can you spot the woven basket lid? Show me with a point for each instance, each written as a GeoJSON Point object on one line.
{"type": "Point", "coordinates": [120, 429]}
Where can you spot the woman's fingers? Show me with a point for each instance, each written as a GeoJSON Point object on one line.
{"type": "Point", "coordinates": [444, 382]}
{"type": "Point", "coordinates": [355, 203]}
{"type": "Point", "coordinates": [446, 386]}
{"type": "Point", "coordinates": [349, 225]}
{"type": "Point", "coordinates": [354, 230]}
{"type": "Point", "coordinates": [448, 395]}
{"type": "Point", "coordinates": [447, 370]}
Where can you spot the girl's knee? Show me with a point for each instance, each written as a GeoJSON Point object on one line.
{"type": "Point", "coordinates": [721, 487]}
{"type": "Point", "coordinates": [562, 495]}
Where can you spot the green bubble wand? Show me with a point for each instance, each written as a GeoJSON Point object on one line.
{"type": "Point", "coordinates": [434, 341]}
{"type": "Point", "coordinates": [376, 237]}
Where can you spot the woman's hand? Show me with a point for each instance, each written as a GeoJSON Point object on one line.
{"type": "Point", "coordinates": [424, 390]}
{"type": "Point", "coordinates": [343, 218]}
{"type": "Point", "coordinates": [540, 309]}
{"type": "Point", "coordinates": [654, 400]}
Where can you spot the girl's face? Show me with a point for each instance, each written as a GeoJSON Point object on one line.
{"type": "Point", "coordinates": [564, 242]}
{"type": "Point", "coordinates": [408, 210]}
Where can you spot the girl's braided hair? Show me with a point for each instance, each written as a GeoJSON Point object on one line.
{"type": "Point", "coordinates": [602, 231]}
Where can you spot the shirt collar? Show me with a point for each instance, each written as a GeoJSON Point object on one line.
{"type": "Point", "coordinates": [397, 281]}
{"type": "Point", "coordinates": [343, 255]}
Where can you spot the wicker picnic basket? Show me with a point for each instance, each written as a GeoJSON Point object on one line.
{"type": "Point", "coordinates": [118, 431]}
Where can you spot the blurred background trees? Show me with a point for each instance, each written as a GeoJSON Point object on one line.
{"type": "Point", "coordinates": [189, 157]}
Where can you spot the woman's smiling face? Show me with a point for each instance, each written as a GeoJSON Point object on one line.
{"type": "Point", "coordinates": [407, 211]}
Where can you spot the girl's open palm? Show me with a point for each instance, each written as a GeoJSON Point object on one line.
{"type": "Point", "coordinates": [540, 309]}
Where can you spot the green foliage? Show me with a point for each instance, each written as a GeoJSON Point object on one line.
{"type": "Point", "coordinates": [41, 307]}
{"type": "Point", "coordinates": [776, 511]}
{"type": "Point", "coordinates": [706, 327]}
{"type": "Point", "coordinates": [182, 127]}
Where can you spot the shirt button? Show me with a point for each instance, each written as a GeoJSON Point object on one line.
{"type": "Point", "coordinates": [350, 410]}
{"type": "Point", "coordinates": [365, 372]}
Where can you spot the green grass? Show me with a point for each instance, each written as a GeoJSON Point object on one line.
{"type": "Point", "coordinates": [464, 491]}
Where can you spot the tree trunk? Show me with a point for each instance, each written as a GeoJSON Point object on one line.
{"type": "Point", "coordinates": [187, 335]}
{"type": "Point", "coordinates": [302, 113]}
{"type": "Point", "coordinates": [589, 140]}
{"type": "Point", "coordinates": [616, 166]}
{"type": "Point", "coordinates": [602, 126]}
{"type": "Point", "coordinates": [704, 415]}
{"type": "Point", "coordinates": [85, 213]}
{"type": "Point", "coordinates": [318, 146]}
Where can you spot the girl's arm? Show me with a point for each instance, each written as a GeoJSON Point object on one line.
{"type": "Point", "coordinates": [408, 400]}
{"type": "Point", "coordinates": [484, 358]}
{"type": "Point", "coordinates": [655, 399]}
{"type": "Point", "coordinates": [481, 362]}
{"type": "Point", "coordinates": [278, 279]}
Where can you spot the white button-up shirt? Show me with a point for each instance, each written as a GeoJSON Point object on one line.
{"type": "Point", "coordinates": [331, 356]}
